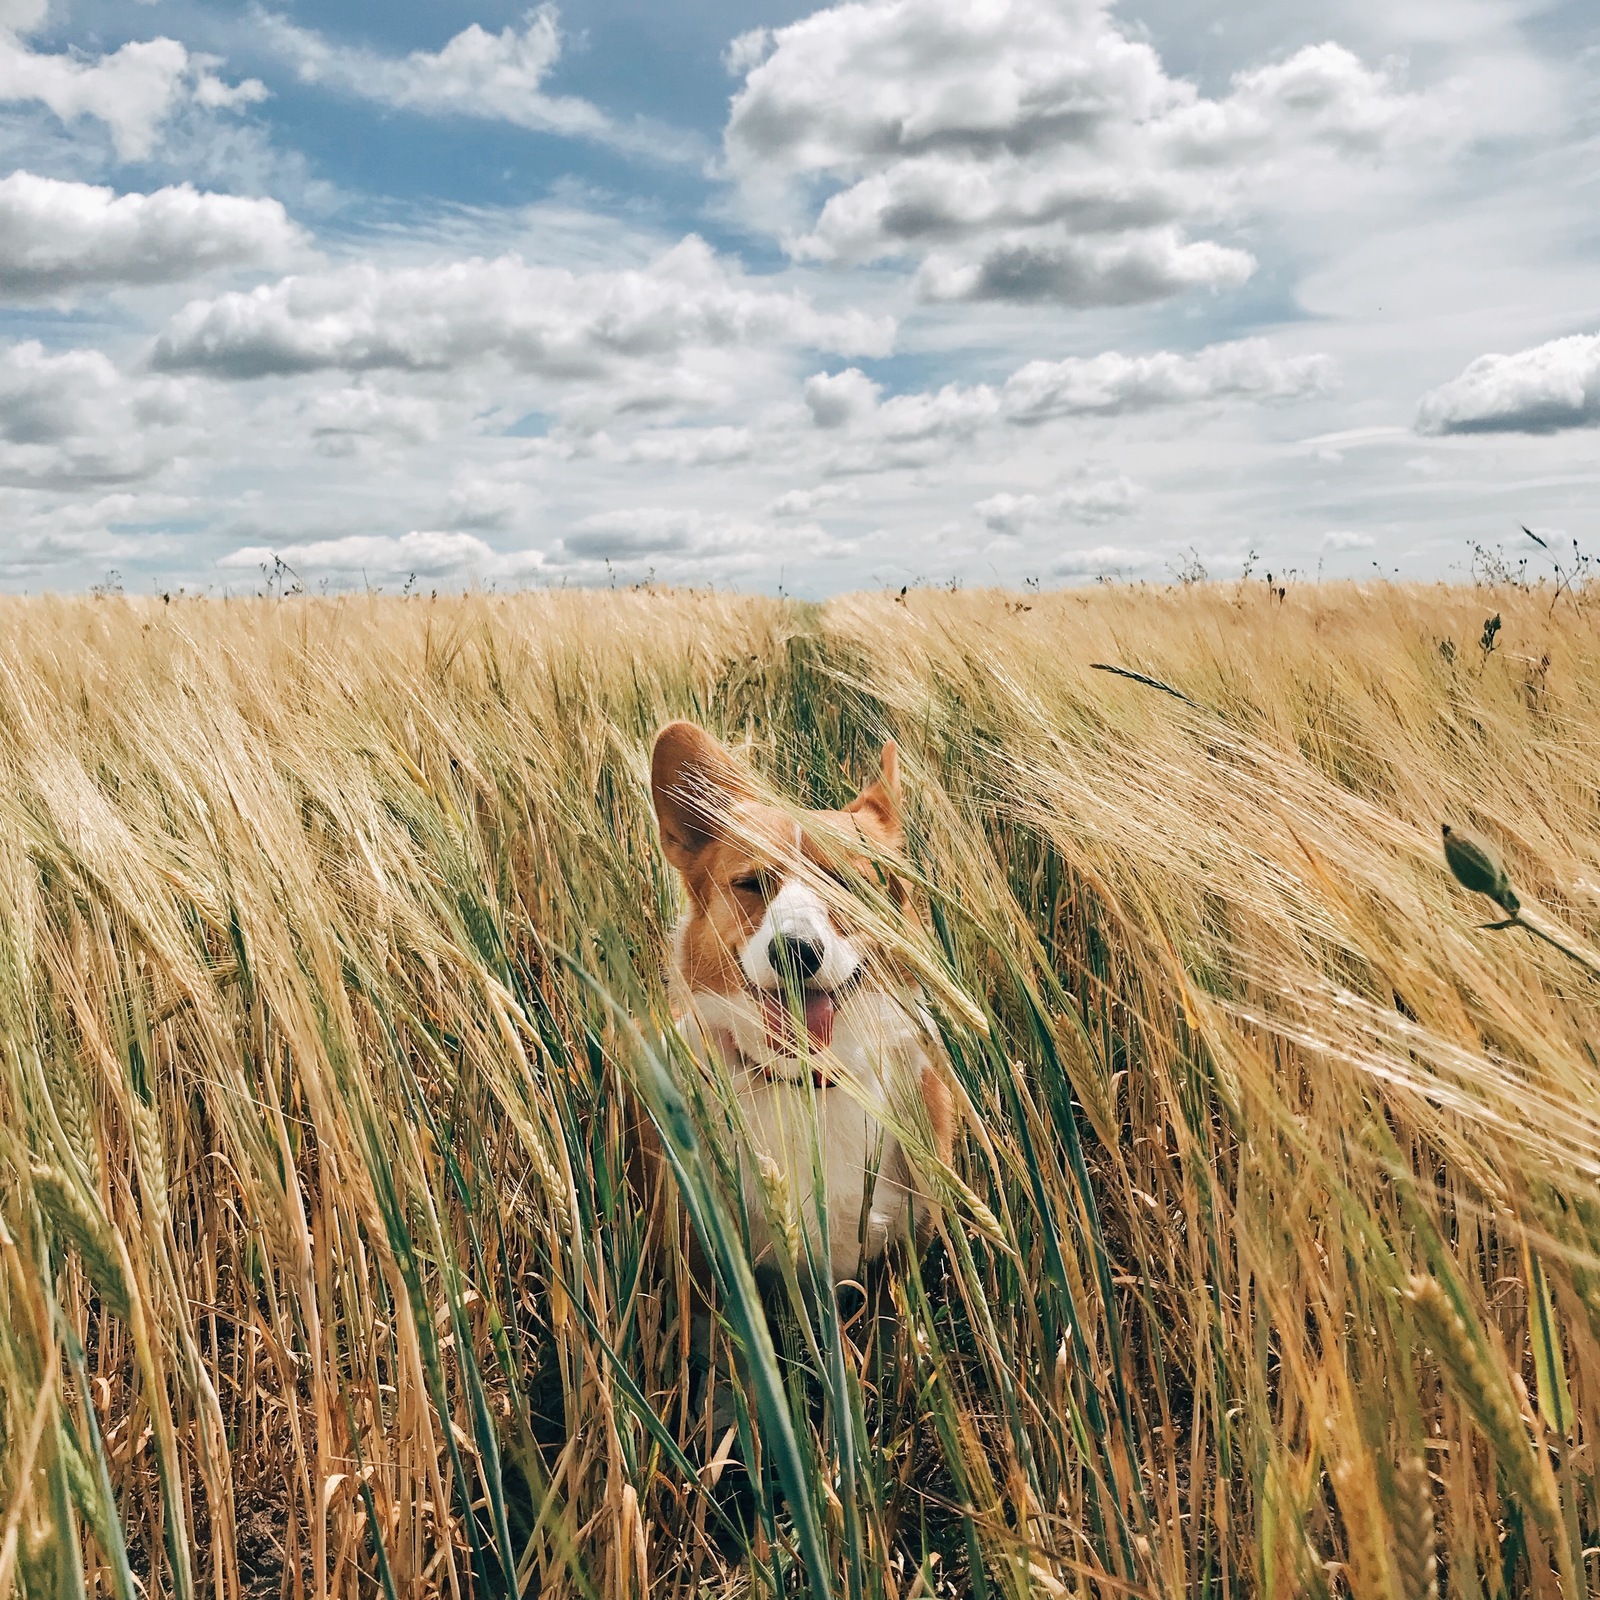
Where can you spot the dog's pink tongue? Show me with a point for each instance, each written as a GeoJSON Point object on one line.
{"type": "Point", "coordinates": [819, 1019]}
{"type": "Point", "coordinates": [775, 1015]}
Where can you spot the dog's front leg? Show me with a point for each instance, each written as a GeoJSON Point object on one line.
{"type": "Point", "coordinates": [892, 1192]}
{"type": "Point", "coordinates": [900, 1204]}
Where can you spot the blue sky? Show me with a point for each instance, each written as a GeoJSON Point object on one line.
{"type": "Point", "coordinates": [777, 295]}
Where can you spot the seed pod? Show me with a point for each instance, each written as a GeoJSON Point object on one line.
{"type": "Point", "coordinates": [72, 1107]}
{"type": "Point", "coordinates": [1415, 1551]}
{"type": "Point", "coordinates": [152, 1162]}
{"type": "Point", "coordinates": [1368, 1566]}
{"type": "Point", "coordinates": [1481, 1386]}
{"type": "Point", "coordinates": [1477, 866]}
{"type": "Point", "coordinates": [86, 1491]}
{"type": "Point", "coordinates": [83, 1225]}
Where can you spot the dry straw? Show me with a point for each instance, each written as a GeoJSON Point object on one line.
{"type": "Point", "coordinates": [331, 947]}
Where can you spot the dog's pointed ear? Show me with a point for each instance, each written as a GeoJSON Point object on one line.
{"type": "Point", "coordinates": [694, 782]}
{"type": "Point", "coordinates": [881, 798]}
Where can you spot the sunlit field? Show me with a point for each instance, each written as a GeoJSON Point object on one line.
{"type": "Point", "coordinates": [332, 937]}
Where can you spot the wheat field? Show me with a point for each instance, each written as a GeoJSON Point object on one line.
{"type": "Point", "coordinates": [331, 945]}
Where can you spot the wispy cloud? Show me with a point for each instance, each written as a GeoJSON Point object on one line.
{"type": "Point", "coordinates": [493, 77]}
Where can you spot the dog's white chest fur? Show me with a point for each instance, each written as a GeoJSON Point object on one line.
{"type": "Point", "coordinates": [795, 1135]}
{"type": "Point", "coordinates": [800, 1134]}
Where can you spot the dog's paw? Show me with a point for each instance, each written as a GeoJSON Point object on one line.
{"type": "Point", "coordinates": [880, 1230]}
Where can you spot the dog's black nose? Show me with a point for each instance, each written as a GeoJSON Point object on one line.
{"type": "Point", "coordinates": [799, 958]}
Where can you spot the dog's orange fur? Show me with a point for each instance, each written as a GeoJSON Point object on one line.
{"type": "Point", "coordinates": [719, 836]}
{"type": "Point", "coordinates": [714, 852]}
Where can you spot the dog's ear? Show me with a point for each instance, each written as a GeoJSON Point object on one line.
{"type": "Point", "coordinates": [881, 798]}
{"type": "Point", "coordinates": [694, 782]}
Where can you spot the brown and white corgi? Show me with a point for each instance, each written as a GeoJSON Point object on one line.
{"type": "Point", "coordinates": [827, 1050]}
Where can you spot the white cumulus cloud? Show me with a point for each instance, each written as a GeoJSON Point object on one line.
{"type": "Point", "coordinates": [1102, 560]}
{"type": "Point", "coordinates": [850, 399]}
{"type": "Point", "coordinates": [57, 236]}
{"type": "Point", "coordinates": [22, 16]}
{"type": "Point", "coordinates": [1122, 270]}
{"type": "Point", "coordinates": [650, 336]}
{"type": "Point", "coordinates": [1100, 500]}
{"type": "Point", "coordinates": [645, 531]}
{"type": "Point", "coordinates": [837, 398]}
{"type": "Point", "coordinates": [427, 554]}
{"type": "Point", "coordinates": [874, 434]}
{"type": "Point", "coordinates": [1323, 93]}
{"type": "Point", "coordinates": [71, 419]}
{"type": "Point", "coordinates": [681, 541]}
{"type": "Point", "coordinates": [908, 429]}
{"type": "Point", "coordinates": [1552, 386]}
{"type": "Point", "coordinates": [806, 502]}
{"type": "Point", "coordinates": [344, 421]}
{"type": "Point", "coordinates": [690, 447]}
{"type": "Point", "coordinates": [133, 91]}
{"type": "Point", "coordinates": [1111, 383]}
{"type": "Point", "coordinates": [1018, 150]}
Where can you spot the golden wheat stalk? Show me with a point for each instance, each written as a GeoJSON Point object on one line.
{"type": "Point", "coordinates": [1199, 1010]}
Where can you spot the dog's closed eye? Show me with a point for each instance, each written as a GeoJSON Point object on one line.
{"type": "Point", "coordinates": [763, 884]}
{"type": "Point", "coordinates": [844, 876]}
